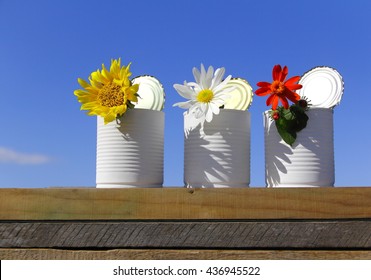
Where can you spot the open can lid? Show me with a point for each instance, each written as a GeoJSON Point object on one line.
{"type": "Point", "coordinates": [322, 86]}
{"type": "Point", "coordinates": [241, 95]}
{"type": "Point", "coordinates": [151, 93]}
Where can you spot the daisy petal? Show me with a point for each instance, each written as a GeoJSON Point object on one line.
{"type": "Point", "coordinates": [203, 107]}
{"type": "Point", "coordinates": [196, 74]}
{"type": "Point", "coordinates": [184, 91]}
{"type": "Point", "coordinates": [196, 86]}
{"type": "Point", "coordinates": [205, 79]}
{"type": "Point", "coordinates": [223, 84]}
{"type": "Point", "coordinates": [215, 109]}
{"type": "Point", "coordinates": [209, 77]}
{"type": "Point", "coordinates": [184, 105]}
{"type": "Point", "coordinates": [209, 114]}
{"type": "Point", "coordinates": [219, 73]}
{"type": "Point", "coordinates": [203, 74]}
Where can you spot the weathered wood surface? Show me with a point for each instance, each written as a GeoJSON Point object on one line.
{"type": "Point", "coordinates": [312, 234]}
{"type": "Point", "coordinates": [180, 203]}
{"type": "Point", "coordinates": [178, 223]}
{"type": "Point", "coordinates": [153, 254]}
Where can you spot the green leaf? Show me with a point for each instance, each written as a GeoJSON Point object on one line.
{"type": "Point", "coordinates": [291, 121]}
{"type": "Point", "coordinates": [287, 135]}
{"type": "Point", "coordinates": [286, 114]}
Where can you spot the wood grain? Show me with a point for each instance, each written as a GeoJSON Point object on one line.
{"type": "Point", "coordinates": [354, 234]}
{"type": "Point", "coordinates": [145, 254]}
{"type": "Point", "coordinates": [181, 203]}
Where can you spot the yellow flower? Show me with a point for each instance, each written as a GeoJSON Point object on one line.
{"type": "Point", "coordinates": [109, 93]}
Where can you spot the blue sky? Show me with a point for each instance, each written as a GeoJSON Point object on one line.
{"type": "Point", "coordinates": [46, 45]}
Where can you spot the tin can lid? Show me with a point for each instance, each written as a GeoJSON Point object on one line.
{"type": "Point", "coordinates": [151, 93]}
{"type": "Point", "coordinates": [322, 86]}
{"type": "Point", "coordinates": [241, 95]}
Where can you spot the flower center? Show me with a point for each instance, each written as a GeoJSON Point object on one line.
{"type": "Point", "coordinates": [277, 87]}
{"type": "Point", "coordinates": [205, 96]}
{"type": "Point", "coordinates": [110, 95]}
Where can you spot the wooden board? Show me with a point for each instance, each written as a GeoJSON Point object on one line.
{"type": "Point", "coordinates": [338, 234]}
{"type": "Point", "coordinates": [145, 254]}
{"type": "Point", "coordinates": [178, 223]}
{"type": "Point", "coordinates": [181, 203]}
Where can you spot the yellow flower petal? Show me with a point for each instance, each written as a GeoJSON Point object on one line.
{"type": "Point", "coordinates": [131, 93]}
{"type": "Point", "coordinates": [85, 99]}
{"type": "Point", "coordinates": [96, 76]}
{"type": "Point", "coordinates": [120, 110]}
{"type": "Point", "coordinates": [80, 92]}
{"type": "Point", "coordinates": [109, 117]}
{"type": "Point", "coordinates": [96, 84]}
{"type": "Point", "coordinates": [90, 113]}
{"type": "Point", "coordinates": [89, 105]}
{"type": "Point", "coordinates": [135, 87]}
{"type": "Point", "coordinates": [106, 73]}
{"type": "Point", "coordinates": [83, 83]}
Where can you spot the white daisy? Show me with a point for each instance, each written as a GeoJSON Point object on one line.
{"type": "Point", "coordinates": [206, 96]}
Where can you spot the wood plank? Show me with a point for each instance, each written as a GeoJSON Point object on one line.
{"type": "Point", "coordinates": [259, 234]}
{"type": "Point", "coordinates": [181, 203]}
{"type": "Point", "coordinates": [145, 254]}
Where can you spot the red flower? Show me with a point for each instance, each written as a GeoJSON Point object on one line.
{"type": "Point", "coordinates": [280, 90]}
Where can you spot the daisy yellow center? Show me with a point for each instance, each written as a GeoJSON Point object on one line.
{"type": "Point", "coordinates": [110, 95]}
{"type": "Point", "coordinates": [277, 87]}
{"type": "Point", "coordinates": [205, 96]}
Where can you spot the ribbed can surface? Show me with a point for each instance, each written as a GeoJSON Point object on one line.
{"type": "Point", "coordinates": [310, 161]}
{"type": "Point", "coordinates": [131, 154]}
{"type": "Point", "coordinates": [221, 157]}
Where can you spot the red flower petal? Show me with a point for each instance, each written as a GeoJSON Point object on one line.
{"type": "Point", "coordinates": [284, 102]}
{"type": "Point", "coordinates": [284, 73]}
{"type": "Point", "coordinates": [294, 87]}
{"type": "Point", "coordinates": [273, 99]}
{"type": "Point", "coordinates": [292, 96]}
{"type": "Point", "coordinates": [263, 91]}
{"type": "Point", "coordinates": [276, 73]}
{"type": "Point", "coordinates": [292, 80]}
{"type": "Point", "coordinates": [275, 102]}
